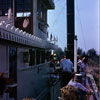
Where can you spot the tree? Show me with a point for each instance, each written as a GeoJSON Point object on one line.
{"type": "Point", "coordinates": [65, 50]}
{"type": "Point", "coordinates": [83, 54]}
{"type": "Point", "coordinates": [93, 58]}
{"type": "Point", "coordinates": [79, 51]}
{"type": "Point", "coordinates": [91, 52]}
{"type": "Point", "coordinates": [59, 52]}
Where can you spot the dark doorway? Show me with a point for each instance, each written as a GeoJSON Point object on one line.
{"type": "Point", "coordinates": [13, 71]}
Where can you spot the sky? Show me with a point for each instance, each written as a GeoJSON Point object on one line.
{"type": "Point", "coordinates": [86, 23]}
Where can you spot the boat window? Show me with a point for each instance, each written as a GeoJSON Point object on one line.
{"type": "Point", "coordinates": [32, 57]}
{"type": "Point", "coordinates": [4, 6]}
{"type": "Point", "coordinates": [48, 53]}
{"type": "Point", "coordinates": [23, 8]}
{"type": "Point", "coordinates": [26, 57]}
{"type": "Point", "coordinates": [42, 56]}
{"type": "Point", "coordinates": [37, 57]}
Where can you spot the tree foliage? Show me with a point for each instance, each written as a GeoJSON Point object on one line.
{"type": "Point", "coordinates": [79, 51]}
{"type": "Point", "coordinates": [91, 52]}
{"type": "Point", "coordinates": [59, 52]}
{"type": "Point", "coordinates": [93, 58]}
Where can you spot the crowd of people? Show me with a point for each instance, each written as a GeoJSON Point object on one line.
{"type": "Point", "coordinates": [73, 84]}
{"type": "Point", "coordinates": [72, 79]}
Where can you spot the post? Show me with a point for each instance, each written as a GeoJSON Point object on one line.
{"type": "Point", "coordinates": [70, 29]}
{"type": "Point", "coordinates": [52, 52]}
{"type": "Point", "coordinates": [13, 13]}
{"type": "Point", "coordinates": [75, 54]}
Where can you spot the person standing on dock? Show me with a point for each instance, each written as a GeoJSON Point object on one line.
{"type": "Point", "coordinates": [66, 68]}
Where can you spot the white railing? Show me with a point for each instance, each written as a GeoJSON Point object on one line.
{"type": "Point", "coordinates": [8, 32]}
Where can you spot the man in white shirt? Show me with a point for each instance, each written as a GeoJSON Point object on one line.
{"type": "Point", "coordinates": [67, 68]}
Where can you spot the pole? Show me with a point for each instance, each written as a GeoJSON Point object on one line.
{"type": "Point", "coordinates": [70, 29]}
{"type": "Point", "coordinates": [75, 54]}
{"type": "Point", "coordinates": [13, 12]}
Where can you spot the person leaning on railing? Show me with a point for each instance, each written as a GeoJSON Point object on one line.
{"type": "Point", "coordinates": [82, 91]}
{"type": "Point", "coordinates": [83, 70]}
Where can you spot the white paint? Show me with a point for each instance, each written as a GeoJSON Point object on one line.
{"type": "Point", "coordinates": [4, 59]}
{"type": "Point", "coordinates": [75, 55]}
{"type": "Point", "coordinates": [52, 51]}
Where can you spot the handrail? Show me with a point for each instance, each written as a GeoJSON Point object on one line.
{"type": "Point", "coordinates": [93, 86]}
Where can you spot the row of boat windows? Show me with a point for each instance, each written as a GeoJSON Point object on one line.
{"type": "Point", "coordinates": [21, 6]}
{"type": "Point", "coordinates": [4, 6]}
{"type": "Point", "coordinates": [33, 57]}
{"type": "Point", "coordinates": [38, 57]}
